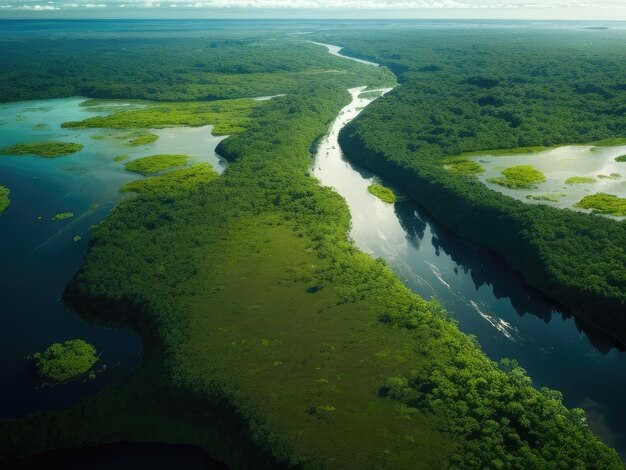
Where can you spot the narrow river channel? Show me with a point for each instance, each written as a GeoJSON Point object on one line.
{"type": "Point", "coordinates": [488, 299]}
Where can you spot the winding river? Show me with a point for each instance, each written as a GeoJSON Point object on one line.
{"type": "Point", "coordinates": [480, 291]}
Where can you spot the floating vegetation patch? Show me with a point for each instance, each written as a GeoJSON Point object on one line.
{"type": "Point", "coordinates": [580, 180]}
{"type": "Point", "coordinates": [142, 138]}
{"type": "Point", "coordinates": [156, 163]}
{"type": "Point", "coordinates": [382, 192]}
{"type": "Point", "coordinates": [603, 203]}
{"type": "Point", "coordinates": [63, 216]}
{"type": "Point", "coordinates": [520, 177]}
{"type": "Point", "coordinates": [612, 176]}
{"type": "Point", "coordinates": [546, 197]}
{"type": "Point", "coordinates": [621, 159]}
{"type": "Point", "coordinates": [4, 198]}
{"type": "Point", "coordinates": [62, 362]}
{"type": "Point", "coordinates": [463, 166]}
{"type": "Point", "coordinates": [43, 149]}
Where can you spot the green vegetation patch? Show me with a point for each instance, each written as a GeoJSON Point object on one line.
{"type": "Point", "coordinates": [612, 176]}
{"type": "Point", "coordinates": [141, 138]}
{"type": "Point", "coordinates": [546, 197]}
{"type": "Point", "coordinates": [519, 177]}
{"type": "Point", "coordinates": [580, 180]}
{"type": "Point", "coordinates": [121, 157]}
{"type": "Point", "coordinates": [63, 216]}
{"type": "Point", "coordinates": [383, 193]}
{"type": "Point", "coordinates": [175, 183]}
{"type": "Point", "coordinates": [227, 116]}
{"type": "Point", "coordinates": [4, 198]}
{"type": "Point", "coordinates": [62, 362]}
{"type": "Point", "coordinates": [621, 159]}
{"type": "Point", "coordinates": [43, 149]}
{"type": "Point", "coordinates": [463, 166]}
{"type": "Point", "coordinates": [156, 163]}
{"type": "Point", "coordinates": [603, 203]}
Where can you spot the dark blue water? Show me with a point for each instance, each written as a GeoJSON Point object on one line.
{"type": "Point", "coordinates": [39, 255]}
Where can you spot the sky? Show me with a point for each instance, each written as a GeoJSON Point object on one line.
{"type": "Point", "coordinates": [513, 9]}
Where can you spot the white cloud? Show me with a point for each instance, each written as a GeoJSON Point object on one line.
{"type": "Point", "coordinates": [35, 5]}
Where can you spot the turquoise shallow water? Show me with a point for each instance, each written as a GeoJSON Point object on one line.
{"type": "Point", "coordinates": [39, 255]}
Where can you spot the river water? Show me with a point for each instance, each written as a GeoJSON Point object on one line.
{"type": "Point", "coordinates": [38, 255]}
{"type": "Point", "coordinates": [488, 299]}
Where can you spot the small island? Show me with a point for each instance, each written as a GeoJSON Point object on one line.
{"type": "Point", "coordinates": [4, 198]}
{"type": "Point", "coordinates": [621, 159]}
{"type": "Point", "coordinates": [603, 203]}
{"type": "Point", "coordinates": [463, 166]}
{"type": "Point", "coordinates": [383, 193]}
{"type": "Point", "coordinates": [63, 216]}
{"type": "Point", "coordinates": [156, 163]}
{"type": "Point", "coordinates": [519, 177]}
{"type": "Point", "coordinates": [142, 138]}
{"type": "Point", "coordinates": [580, 180]}
{"type": "Point", "coordinates": [63, 362]}
{"type": "Point", "coordinates": [43, 149]}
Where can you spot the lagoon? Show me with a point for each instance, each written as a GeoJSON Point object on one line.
{"type": "Point", "coordinates": [40, 255]}
{"type": "Point", "coordinates": [559, 165]}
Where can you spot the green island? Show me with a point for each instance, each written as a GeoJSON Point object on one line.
{"type": "Point", "coordinates": [63, 362]}
{"type": "Point", "coordinates": [269, 339]}
{"type": "Point", "coordinates": [63, 216]}
{"type": "Point", "coordinates": [43, 149]}
{"type": "Point", "coordinates": [156, 163]}
{"type": "Point", "coordinates": [582, 179]}
{"type": "Point", "coordinates": [621, 158]}
{"type": "Point", "coordinates": [383, 193]}
{"type": "Point", "coordinates": [519, 177]}
{"type": "Point", "coordinates": [603, 203]}
{"type": "Point", "coordinates": [463, 166]}
{"type": "Point", "coordinates": [140, 138]}
{"type": "Point", "coordinates": [479, 92]}
{"type": "Point", "coordinates": [4, 198]}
